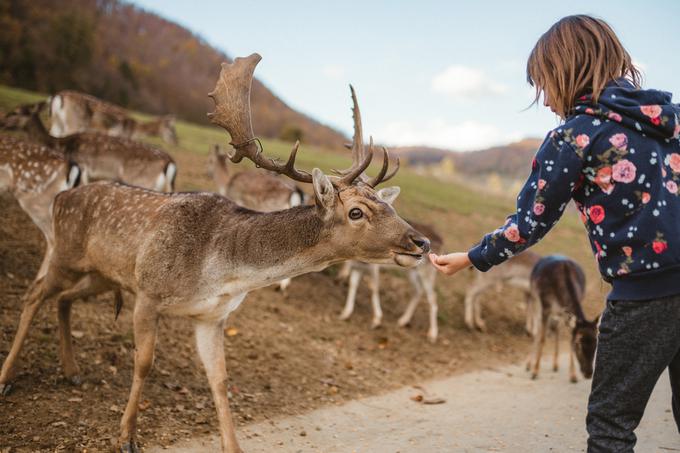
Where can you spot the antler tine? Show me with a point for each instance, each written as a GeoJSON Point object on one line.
{"type": "Point", "coordinates": [380, 177]}
{"type": "Point", "coordinates": [232, 113]}
{"type": "Point", "coordinates": [356, 170]}
{"type": "Point", "coordinates": [358, 150]}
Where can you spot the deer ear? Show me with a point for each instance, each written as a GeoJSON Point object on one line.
{"type": "Point", "coordinates": [324, 192]}
{"type": "Point", "coordinates": [389, 194]}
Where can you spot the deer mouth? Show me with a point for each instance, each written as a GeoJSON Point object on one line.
{"type": "Point", "coordinates": [405, 259]}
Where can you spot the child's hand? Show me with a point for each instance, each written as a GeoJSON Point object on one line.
{"type": "Point", "coordinates": [451, 263]}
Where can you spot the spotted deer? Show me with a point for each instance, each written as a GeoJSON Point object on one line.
{"type": "Point", "coordinates": [422, 278]}
{"type": "Point", "coordinates": [557, 291]}
{"type": "Point", "coordinates": [99, 156]}
{"type": "Point", "coordinates": [254, 189]}
{"type": "Point", "coordinates": [34, 175]}
{"type": "Point", "coordinates": [72, 112]}
{"type": "Point", "coordinates": [197, 255]}
{"type": "Point", "coordinates": [515, 272]}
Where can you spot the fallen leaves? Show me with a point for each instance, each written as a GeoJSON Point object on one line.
{"type": "Point", "coordinates": [424, 397]}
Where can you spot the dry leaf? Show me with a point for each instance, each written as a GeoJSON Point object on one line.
{"type": "Point", "coordinates": [232, 331]}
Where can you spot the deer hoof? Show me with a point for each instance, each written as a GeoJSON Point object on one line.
{"type": "Point", "coordinates": [75, 379]}
{"type": "Point", "coordinates": [129, 447]}
{"type": "Point", "coordinates": [376, 323]}
{"type": "Point", "coordinates": [403, 322]}
{"type": "Point", "coordinates": [534, 376]}
{"type": "Point", "coordinates": [5, 389]}
{"type": "Point", "coordinates": [432, 338]}
{"type": "Point", "coordinates": [344, 316]}
{"type": "Point", "coordinates": [573, 380]}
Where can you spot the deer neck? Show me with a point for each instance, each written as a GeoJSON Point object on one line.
{"type": "Point", "coordinates": [35, 128]}
{"type": "Point", "coordinates": [267, 247]}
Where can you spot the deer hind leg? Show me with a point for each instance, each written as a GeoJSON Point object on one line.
{"type": "Point", "coordinates": [539, 341]}
{"type": "Point", "coordinates": [354, 279]}
{"type": "Point", "coordinates": [210, 341]}
{"type": "Point", "coordinates": [472, 307]}
{"type": "Point", "coordinates": [85, 287]}
{"type": "Point", "coordinates": [556, 353]}
{"type": "Point", "coordinates": [375, 296]}
{"type": "Point", "coordinates": [39, 291]}
{"type": "Point", "coordinates": [145, 325]}
{"type": "Point", "coordinates": [345, 270]}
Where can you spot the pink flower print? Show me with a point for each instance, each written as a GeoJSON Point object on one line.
{"type": "Point", "coordinates": [582, 140]}
{"type": "Point", "coordinates": [676, 133]}
{"type": "Point", "coordinates": [627, 250]}
{"type": "Point", "coordinates": [659, 246]}
{"type": "Point", "coordinates": [590, 111]}
{"type": "Point", "coordinates": [596, 214]}
{"type": "Point", "coordinates": [646, 197]}
{"type": "Point", "coordinates": [623, 171]}
{"type": "Point", "coordinates": [539, 208]}
{"type": "Point", "coordinates": [614, 117]}
{"type": "Point", "coordinates": [672, 187]}
{"type": "Point", "coordinates": [622, 271]}
{"type": "Point", "coordinates": [604, 179]}
{"type": "Point", "coordinates": [541, 184]}
{"type": "Point", "coordinates": [674, 162]}
{"type": "Point", "coordinates": [598, 250]}
{"type": "Point", "coordinates": [652, 111]}
{"type": "Point", "coordinates": [511, 233]}
{"type": "Point", "coordinates": [619, 141]}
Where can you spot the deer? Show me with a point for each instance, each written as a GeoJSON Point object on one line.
{"type": "Point", "coordinates": [72, 112]}
{"type": "Point", "coordinates": [422, 278]}
{"type": "Point", "coordinates": [557, 291]}
{"type": "Point", "coordinates": [197, 255]}
{"type": "Point", "coordinates": [34, 175]}
{"type": "Point", "coordinates": [99, 156]}
{"type": "Point", "coordinates": [515, 272]}
{"type": "Point", "coordinates": [254, 189]}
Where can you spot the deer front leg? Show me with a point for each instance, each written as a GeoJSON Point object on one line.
{"type": "Point", "coordinates": [431, 295]}
{"type": "Point", "coordinates": [375, 296]}
{"type": "Point", "coordinates": [354, 279]}
{"type": "Point", "coordinates": [283, 284]}
{"type": "Point", "coordinates": [415, 299]}
{"type": "Point", "coordinates": [479, 322]}
{"type": "Point", "coordinates": [35, 297]}
{"type": "Point", "coordinates": [210, 342]}
{"type": "Point", "coordinates": [572, 366]}
{"type": "Point", "coordinates": [145, 320]}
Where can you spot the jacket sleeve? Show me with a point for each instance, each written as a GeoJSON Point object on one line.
{"type": "Point", "coordinates": [556, 172]}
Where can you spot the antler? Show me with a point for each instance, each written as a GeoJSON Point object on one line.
{"type": "Point", "coordinates": [232, 113]}
{"type": "Point", "coordinates": [359, 155]}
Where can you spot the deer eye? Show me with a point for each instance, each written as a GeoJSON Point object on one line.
{"type": "Point", "coordinates": [355, 214]}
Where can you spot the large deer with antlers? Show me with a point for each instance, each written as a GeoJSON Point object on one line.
{"type": "Point", "coordinates": [99, 156]}
{"type": "Point", "coordinates": [197, 255]}
{"type": "Point", "coordinates": [254, 189]}
{"type": "Point", "coordinates": [422, 278]}
{"type": "Point", "coordinates": [72, 112]}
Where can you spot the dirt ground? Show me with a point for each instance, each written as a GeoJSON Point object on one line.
{"type": "Point", "coordinates": [286, 354]}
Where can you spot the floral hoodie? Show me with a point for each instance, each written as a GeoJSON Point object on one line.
{"type": "Point", "coordinates": [619, 160]}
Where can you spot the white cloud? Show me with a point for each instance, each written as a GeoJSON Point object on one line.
{"type": "Point", "coordinates": [333, 71]}
{"type": "Point", "coordinates": [465, 82]}
{"type": "Point", "coordinates": [465, 136]}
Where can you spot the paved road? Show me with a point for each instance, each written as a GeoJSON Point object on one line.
{"type": "Point", "coordinates": [496, 410]}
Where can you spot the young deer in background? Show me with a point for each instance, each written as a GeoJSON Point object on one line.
{"type": "Point", "coordinates": [99, 156]}
{"type": "Point", "coordinates": [515, 272]}
{"type": "Point", "coordinates": [557, 288]}
{"type": "Point", "coordinates": [197, 255]}
{"type": "Point", "coordinates": [422, 279]}
{"type": "Point", "coordinates": [258, 190]}
{"type": "Point", "coordinates": [72, 112]}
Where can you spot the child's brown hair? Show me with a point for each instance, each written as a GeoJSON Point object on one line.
{"type": "Point", "coordinates": [578, 55]}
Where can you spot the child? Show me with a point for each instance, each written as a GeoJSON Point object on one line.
{"type": "Point", "coordinates": [617, 155]}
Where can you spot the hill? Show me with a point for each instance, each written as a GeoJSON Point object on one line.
{"type": "Point", "coordinates": [512, 160]}
{"type": "Point", "coordinates": [133, 58]}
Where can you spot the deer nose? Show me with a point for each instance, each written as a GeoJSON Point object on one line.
{"type": "Point", "coordinates": [421, 242]}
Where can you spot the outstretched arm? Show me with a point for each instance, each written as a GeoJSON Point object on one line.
{"type": "Point", "coordinates": [556, 172]}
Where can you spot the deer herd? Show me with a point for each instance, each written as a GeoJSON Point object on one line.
{"type": "Point", "coordinates": [112, 222]}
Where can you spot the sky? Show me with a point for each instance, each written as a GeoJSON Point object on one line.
{"type": "Point", "coordinates": [447, 74]}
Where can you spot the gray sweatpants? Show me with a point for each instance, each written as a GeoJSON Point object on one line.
{"type": "Point", "coordinates": [638, 340]}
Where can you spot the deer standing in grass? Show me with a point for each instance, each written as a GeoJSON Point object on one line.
{"type": "Point", "coordinates": [422, 278]}
{"type": "Point", "coordinates": [197, 255]}
{"type": "Point", "coordinates": [254, 189]}
{"type": "Point", "coordinates": [557, 287]}
{"type": "Point", "coordinates": [99, 156]}
{"type": "Point", "coordinates": [72, 112]}
{"type": "Point", "coordinates": [515, 272]}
